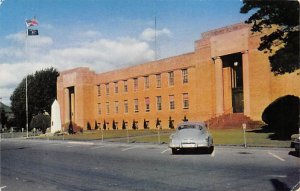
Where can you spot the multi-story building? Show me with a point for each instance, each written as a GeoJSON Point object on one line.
{"type": "Point", "coordinates": [225, 74]}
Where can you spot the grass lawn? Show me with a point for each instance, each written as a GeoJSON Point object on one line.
{"type": "Point", "coordinates": [221, 137]}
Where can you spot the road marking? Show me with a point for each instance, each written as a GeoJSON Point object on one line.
{"type": "Point", "coordinates": [3, 187]}
{"type": "Point", "coordinates": [129, 148]}
{"type": "Point", "coordinates": [278, 157]}
{"type": "Point", "coordinates": [164, 151]}
{"type": "Point", "coordinates": [278, 176]}
{"type": "Point", "coordinates": [98, 147]}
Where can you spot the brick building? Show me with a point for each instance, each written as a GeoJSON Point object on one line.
{"type": "Point", "coordinates": [225, 74]}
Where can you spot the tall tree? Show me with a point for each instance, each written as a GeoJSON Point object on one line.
{"type": "Point", "coordinates": [283, 42]}
{"type": "Point", "coordinates": [41, 91]}
{"type": "Point", "coordinates": [3, 118]}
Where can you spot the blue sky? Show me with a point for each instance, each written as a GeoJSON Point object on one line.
{"type": "Point", "coordinates": [102, 34]}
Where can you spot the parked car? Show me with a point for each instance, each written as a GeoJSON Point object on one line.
{"type": "Point", "coordinates": [295, 142]}
{"type": "Point", "coordinates": [191, 135]}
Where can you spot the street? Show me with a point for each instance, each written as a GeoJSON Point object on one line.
{"type": "Point", "coordinates": [56, 165]}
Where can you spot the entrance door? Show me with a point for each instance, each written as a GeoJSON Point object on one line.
{"type": "Point", "coordinates": [72, 103]}
{"type": "Point", "coordinates": [237, 88]}
{"type": "Point", "coordinates": [237, 100]}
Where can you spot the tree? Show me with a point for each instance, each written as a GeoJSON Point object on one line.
{"type": "Point", "coordinates": [3, 118]}
{"type": "Point", "coordinates": [282, 117]}
{"type": "Point", "coordinates": [283, 42]}
{"type": "Point", "coordinates": [41, 91]}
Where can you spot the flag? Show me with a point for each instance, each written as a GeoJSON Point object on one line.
{"type": "Point", "coordinates": [31, 22]}
{"type": "Point", "coordinates": [32, 32]}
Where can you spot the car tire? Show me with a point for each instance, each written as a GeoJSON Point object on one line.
{"type": "Point", "coordinates": [211, 149]}
{"type": "Point", "coordinates": [175, 151]}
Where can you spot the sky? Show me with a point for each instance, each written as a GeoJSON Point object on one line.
{"type": "Point", "coordinates": [102, 34]}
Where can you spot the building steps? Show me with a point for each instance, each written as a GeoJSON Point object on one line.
{"type": "Point", "coordinates": [232, 120]}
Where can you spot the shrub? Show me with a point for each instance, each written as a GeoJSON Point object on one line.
{"type": "Point", "coordinates": [88, 126]}
{"type": "Point", "coordinates": [40, 121]}
{"type": "Point", "coordinates": [282, 116]}
{"type": "Point", "coordinates": [171, 125]}
{"type": "Point", "coordinates": [134, 125]}
{"type": "Point", "coordinates": [123, 125]}
{"type": "Point", "coordinates": [114, 125]}
{"type": "Point", "coordinates": [96, 125]}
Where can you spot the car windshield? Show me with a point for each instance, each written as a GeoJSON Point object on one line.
{"type": "Point", "coordinates": [190, 127]}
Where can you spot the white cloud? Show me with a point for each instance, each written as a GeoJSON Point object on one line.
{"type": "Point", "coordinates": [149, 34]}
{"type": "Point", "coordinates": [100, 54]}
{"type": "Point", "coordinates": [32, 41]}
{"type": "Point", "coordinates": [17, 37]}
{"type": "Point", "coordinates": [92, 33]}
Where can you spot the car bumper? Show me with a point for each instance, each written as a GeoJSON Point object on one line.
{"type": "Point", "coordinates": [189, 145]}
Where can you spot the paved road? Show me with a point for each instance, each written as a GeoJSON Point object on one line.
{"type": "Point", "coordinates": [53, 165]}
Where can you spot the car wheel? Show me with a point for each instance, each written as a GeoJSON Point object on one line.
{"type": "Point", "coordinates": [211, 149]}
{"type": "Point", "coordinates": [175, 151]}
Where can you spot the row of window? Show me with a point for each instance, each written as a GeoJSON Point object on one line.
{"type": "Point", "coordinates": [146, 81]}
{"type": "Point", "coordinates": [185, 104]}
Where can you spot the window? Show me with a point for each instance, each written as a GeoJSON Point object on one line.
{"type": "Point", "coordinates": [99, 90]}
{"type": "Point", "coordinates": [146, 78]}
{"type": "Point", "coordinates": [125, 86]}
{"type": "Point", "coordinates": [185, 99]}
{"type": "Point", "coordinates": [172, 102]}
{"type": "Point", "coordinates": [135, 84]}
{"type": "Point", "coordinates": [147, 104]}
{"type": "Point", "coordinates": [185, 76]}
{"type": "Point", "coordinates": [107, 108]}
{"type": "Point", "coordinates": [107, 89]}
{"type": "Point", "coordinates": [158, 103]}
{"type": "Point", "coordinates": [116, 87]}
{"type": "Point", "coordinates": [136, 105]}
{"type": "Point", "coordinates": [158, 80]}
{"type": "Point", "coordinates": [99, 108]}
{"type": "Point", "coordinates": [171, 78]}
{"type": "Point", "coordinates": [125, 106]}
{"type": "Point", "coordinates": [116, 107]}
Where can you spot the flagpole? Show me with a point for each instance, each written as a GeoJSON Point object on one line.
{"type": "Point", "coordinates": [26, 96]}
{"type": "Point", "coordinates": [26, 108]}
{"type": "Point", "coordinates": [155, 45]}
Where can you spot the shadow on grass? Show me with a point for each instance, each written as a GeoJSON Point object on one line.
{"type": "Point", "coordinates": [274, 135]}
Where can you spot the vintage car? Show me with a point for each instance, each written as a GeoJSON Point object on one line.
{"type": "Point", "coordinates": [191, 136]}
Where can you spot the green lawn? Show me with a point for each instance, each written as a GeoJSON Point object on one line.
{"type": "Point", "coordinates": [221, 137]}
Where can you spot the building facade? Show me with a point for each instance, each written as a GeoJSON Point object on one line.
{"type": "Point", "coordinates": [225, 74]}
